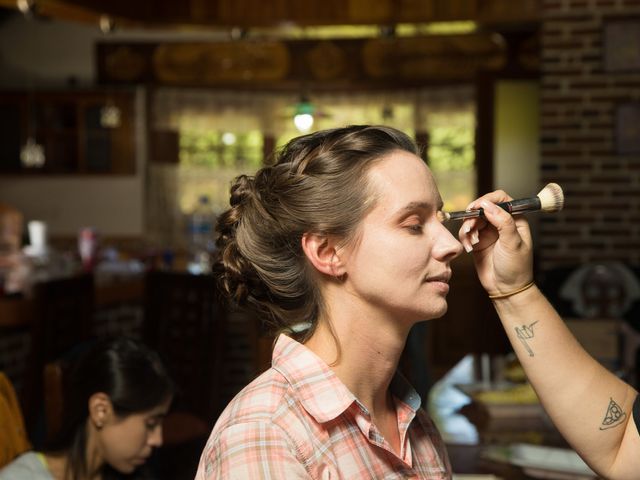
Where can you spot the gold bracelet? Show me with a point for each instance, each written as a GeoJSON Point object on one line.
{"type": "Point", "coordinates": [513, 292]}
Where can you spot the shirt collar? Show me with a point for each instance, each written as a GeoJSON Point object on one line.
{"type": "Point", "coordinates": [321, 392]}
{"type": "Point", "coordinates": [318, 388]}
{"type": "Point", "coordinates": [402, 389]}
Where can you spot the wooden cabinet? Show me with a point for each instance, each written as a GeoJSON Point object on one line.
{"type": "Point", "coordinates": [72, 129]}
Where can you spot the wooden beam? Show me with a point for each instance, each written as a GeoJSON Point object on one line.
{"type": "Point", "coordinates": [264, 13]}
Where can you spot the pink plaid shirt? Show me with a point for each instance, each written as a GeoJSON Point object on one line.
{"type": "Point", "coordinates": [298, 420]}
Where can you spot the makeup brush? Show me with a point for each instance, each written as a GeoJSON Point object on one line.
{"type": "Point", "coordinates": [549, 199]}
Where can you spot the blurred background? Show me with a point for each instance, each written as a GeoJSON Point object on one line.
{"type": "Point", "coordinates": [122, 124]}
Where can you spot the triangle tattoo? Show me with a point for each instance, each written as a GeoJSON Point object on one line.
{"type": "Point", "coordinates": [614, 416]}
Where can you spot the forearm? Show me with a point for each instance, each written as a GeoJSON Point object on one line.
{"type": "Point", "coordinates": [590, 406]}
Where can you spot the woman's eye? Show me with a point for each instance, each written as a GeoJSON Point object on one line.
{"type": "Point", "coordinates": [152, 424]}
{"type": "Point", "coordinates": [416, 228]}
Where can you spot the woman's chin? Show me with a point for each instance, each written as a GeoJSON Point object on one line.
{"type": "Point", "coordinates": [437, 308]}
{"type": "Point", "coordinates": [127, 468]}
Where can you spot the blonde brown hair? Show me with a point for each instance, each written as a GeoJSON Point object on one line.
{"type": "Point", "coordinates": [317, 184]}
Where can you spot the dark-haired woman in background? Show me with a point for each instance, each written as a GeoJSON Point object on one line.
{"type": "Point", "coordinates": [119, 392]}
{"type": "Point", "coordinates": [341, 245]}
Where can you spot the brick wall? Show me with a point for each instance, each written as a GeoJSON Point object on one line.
{"type": "Point", "coordinates": [601, 219]}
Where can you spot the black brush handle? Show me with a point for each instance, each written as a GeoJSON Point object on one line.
{"type": "Point", "coordinates": [512, 206]}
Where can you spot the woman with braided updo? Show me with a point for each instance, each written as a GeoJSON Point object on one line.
{"type": "Point", "coordinates": [339, 245]}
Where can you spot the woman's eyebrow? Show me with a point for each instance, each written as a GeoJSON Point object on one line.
{"type": "Point", "coordinates": [415, 206]}
{"type": "Point", "coordinates": [421, 206]}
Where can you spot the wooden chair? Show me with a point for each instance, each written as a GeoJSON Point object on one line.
{"type": "Point", "coordinates": [53, 378]}
{"type": "Point", "coordinates": [64, 311]}
{"type": "Point", "coordinates": [55, 386]}
{"type": "Point", "coordinates": [185, 323]}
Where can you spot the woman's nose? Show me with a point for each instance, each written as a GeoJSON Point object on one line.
{"type": "Point", "coordinates": [447, 246]}
{"type": "Point", "coordinates": [155, 437]}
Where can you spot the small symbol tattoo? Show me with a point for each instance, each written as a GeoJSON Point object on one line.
{"type": "Point", "coordinates": [526, 333]}
{"type": "Point", "coordinates": [614, 416]}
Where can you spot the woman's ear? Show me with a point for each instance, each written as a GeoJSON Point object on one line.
{"type": "Point", "coordinates": [100, 409]}
{"type": "Point", "coordinates": [322, 252]}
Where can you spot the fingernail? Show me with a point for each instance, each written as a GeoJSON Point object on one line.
{"type": "Point", "coordinates": [475, 238]}
{"type": "Point", "coordinates": [467, 229]}
{"type": "Point", "coordinates": [468, 248]}
{"type": "Point", "coordinates": [487, 205]}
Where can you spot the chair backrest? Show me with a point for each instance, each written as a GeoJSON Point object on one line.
{"type": "Point", "coordinates": [11, 225]}
{"type": "Point", "coordinates": [13, 435]}
{"type": "Point", "coordinates": [185, 323]}
{"type": "Point", "coordinates": [53, 378]}
{"type": "Point", "coordinates": [64, 312]}
{"type": "Point", "coordinates": [65, 309]}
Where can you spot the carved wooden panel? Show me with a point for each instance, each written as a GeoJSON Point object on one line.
{"type": "Point", "coordinates": [220, 63]}
{"type": "Point", "coordinates": [318, 64]}
{"type": "Point", "coordinates": [446, 57]}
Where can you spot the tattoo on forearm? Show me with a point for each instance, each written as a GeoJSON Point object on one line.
{"type": "Point", "coordinates": [525, 333]}
{"type": "Point", "coordinates": [614, 416]}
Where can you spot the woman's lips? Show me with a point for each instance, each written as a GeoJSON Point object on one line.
{"type": "Point", "coordinates": [440, 282]}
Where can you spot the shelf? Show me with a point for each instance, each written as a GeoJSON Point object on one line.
{"type": "Point", "coordinates": [68, 126]}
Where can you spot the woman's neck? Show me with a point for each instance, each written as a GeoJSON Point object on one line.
{"type": "Point", "coordinates": [93, 458]}
{"type": "Point", "coordinates": [366, 359]}
{"type": "Point", "coordinates": [58, 464]}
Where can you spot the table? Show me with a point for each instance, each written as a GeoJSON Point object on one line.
{"type": "Point", "coordinates": [19, 312]}
{"type": "Point", "coordinates": [468, 430]}
{"type": "Point", "coordinates": [16, 312]}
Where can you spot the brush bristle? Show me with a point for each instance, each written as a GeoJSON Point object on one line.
{"type": "Point", "coordinates": [551, 198]}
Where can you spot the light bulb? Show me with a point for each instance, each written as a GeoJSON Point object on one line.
{"type": "Point", "coordinates": [32, 154]}
{"type": "Point", "coordinates": [303, 121]}
{"type": "Point", "coordinates": [228, 138]}
{"type": "Point", "coordinates": [110, 116]}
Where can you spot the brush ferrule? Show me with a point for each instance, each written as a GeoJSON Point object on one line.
{"type": "Point", "coordinates": [462, 214]}
{"type": "Point", "coordinates": [521, 205]}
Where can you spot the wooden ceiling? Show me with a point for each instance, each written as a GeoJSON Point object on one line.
{"type": "Point", "coordinates": [208, 14]}
{"type": "Point", "coordinates": [276, 60]}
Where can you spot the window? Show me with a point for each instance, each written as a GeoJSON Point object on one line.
{"type": "Point", "coordinates": [221, 135]}
{"type": "Point", "coordinates": [451, 156]}
{"type": "Point", "coordinates": [209, 161]}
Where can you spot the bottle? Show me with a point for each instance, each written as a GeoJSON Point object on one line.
{"type": "Point", "coordinates": [200, 225]}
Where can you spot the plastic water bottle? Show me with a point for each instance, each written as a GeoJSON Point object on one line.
{"type": "Point", "coordinates": [200, 234]}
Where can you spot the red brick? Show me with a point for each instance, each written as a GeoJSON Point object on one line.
{"type": "Point", "coordinates": [562, 70]}
{"type": "Point", "coordinates": [587, 139]}
{"type": "Point", "coordinates": [613, 96]}
{"type": "Point", "coordinates": [610, 231]}
{"type": "Point", "coordinates": [550, 151]}
{"type": "Point", "coordinates": [551, 43]}
{"type": "Point", "coordinates": [572, 17]}
{"type": "Point", "coordinates": [581, 84]}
